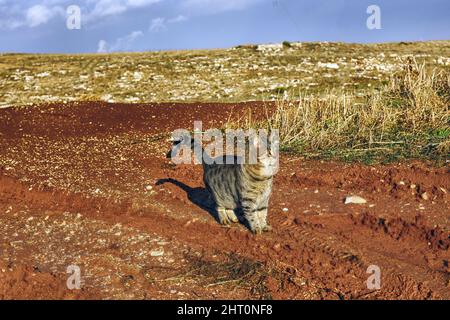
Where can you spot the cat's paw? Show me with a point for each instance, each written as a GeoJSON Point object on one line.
{"type": "Point", "coordinates": [260, 229]}
{"type": "Point", "coordinates": [232, 216]}
{"type": "Point", "coordinates": [224, 219]}
{"type": "Point", "coordinates": [257, 230]}
{"type": "Point", "coordinates": [255, 227]}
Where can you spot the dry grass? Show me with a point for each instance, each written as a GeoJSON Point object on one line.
{"type": "Point", "coordinates": [235, 273]}
{"type": "Point", "coordinates": [407, 117]}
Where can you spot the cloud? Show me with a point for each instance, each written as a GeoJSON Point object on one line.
{"type": "Point", "coordinates": [102, 46]}
{"type": "Point", "coordinates": [15, 14]}
{"type": "Point", "coordinates": [121, 44]}
{"type": "Point", "coordinates": [157, 25]}
{"type": "Point", "coordinates": [160, 24]}
{"type": "Point", "coordinates": [34, 13]}
{"type": "Point", "coordinates": [177, 19]}
{"type": "Point", "coordinates": [39, 14]}
{"type": "Point", "coordinates": [140, 3]}
{"type": "Point", "coordinates": [105, 8]}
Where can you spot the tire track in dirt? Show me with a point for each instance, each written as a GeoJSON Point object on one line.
{"type": "Point", "coordinates": [299, 245]}
{"type": "Point", "coordinates": [376, 252]}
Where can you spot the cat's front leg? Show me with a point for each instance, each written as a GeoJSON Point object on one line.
{"type": "Point", "coordinates": [262, 217]}
{"type": "Point", "coordinates": [251, 216]}
{"type": "Point", "coordinates": [257, 220]}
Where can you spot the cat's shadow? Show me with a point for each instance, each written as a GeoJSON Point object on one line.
{"type": "Point", "coordinates": [199, 196]}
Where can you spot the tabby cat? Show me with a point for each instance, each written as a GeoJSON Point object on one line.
{"type": "Point", "coordinates": [241, 190]}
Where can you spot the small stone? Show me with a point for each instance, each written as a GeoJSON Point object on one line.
{"type": "Point", "coordinates": [148, 187]}
{"type": "Point", "coordinates": [157, 253]}
{"type": "Point", "coordinates": [285, 209]}
{"type": "Point", "coordinates": [355, 200]}
{"type": "Point", "coordinates": [425, 196]}
{"type": "Point", "coordinates": [413, 186]}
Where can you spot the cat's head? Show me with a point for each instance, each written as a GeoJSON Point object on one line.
{"type": "Point", "coordinates": [267, 152]}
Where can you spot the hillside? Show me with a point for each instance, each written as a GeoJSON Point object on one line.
{"type": "Point", "coordinates": [250, 72]}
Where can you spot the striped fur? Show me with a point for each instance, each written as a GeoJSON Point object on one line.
{"type": "Point", "coordinates": [242, 190]}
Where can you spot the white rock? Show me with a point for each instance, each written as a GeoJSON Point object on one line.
{"type": "Point", "coordinates": [157, 253]}
{"type": "Point", "coordinates": [43, 75]}
{"type": "Point", "coordinates": [328, 65]}
{"type": "Point", "coordinates": [137, 75]}
{"type": "Point", "coordinates": [270, 47]}
{"type": "Point", "coordinates": [354, 199]}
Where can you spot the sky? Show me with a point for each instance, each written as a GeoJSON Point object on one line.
{"type": "Point", "coordinates": [41, 26]}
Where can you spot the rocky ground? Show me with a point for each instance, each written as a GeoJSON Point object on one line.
{"type": "Point", "coordinates": [243, 73]}
{"type": "Point", "coordinates": [88, 184]}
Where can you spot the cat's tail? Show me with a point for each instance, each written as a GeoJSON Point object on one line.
{"type": "Point", "coordinates": [200, 154]}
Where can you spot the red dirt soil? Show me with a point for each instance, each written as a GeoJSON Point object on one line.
{"type": "Point", "coordinates": [88, 184]}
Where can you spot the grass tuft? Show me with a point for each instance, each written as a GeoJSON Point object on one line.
{"type": "Point", "coordinates": [408, 117]}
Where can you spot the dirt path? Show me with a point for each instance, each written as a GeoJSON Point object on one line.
{"type": "Point", "coordinates": [89, 185]}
